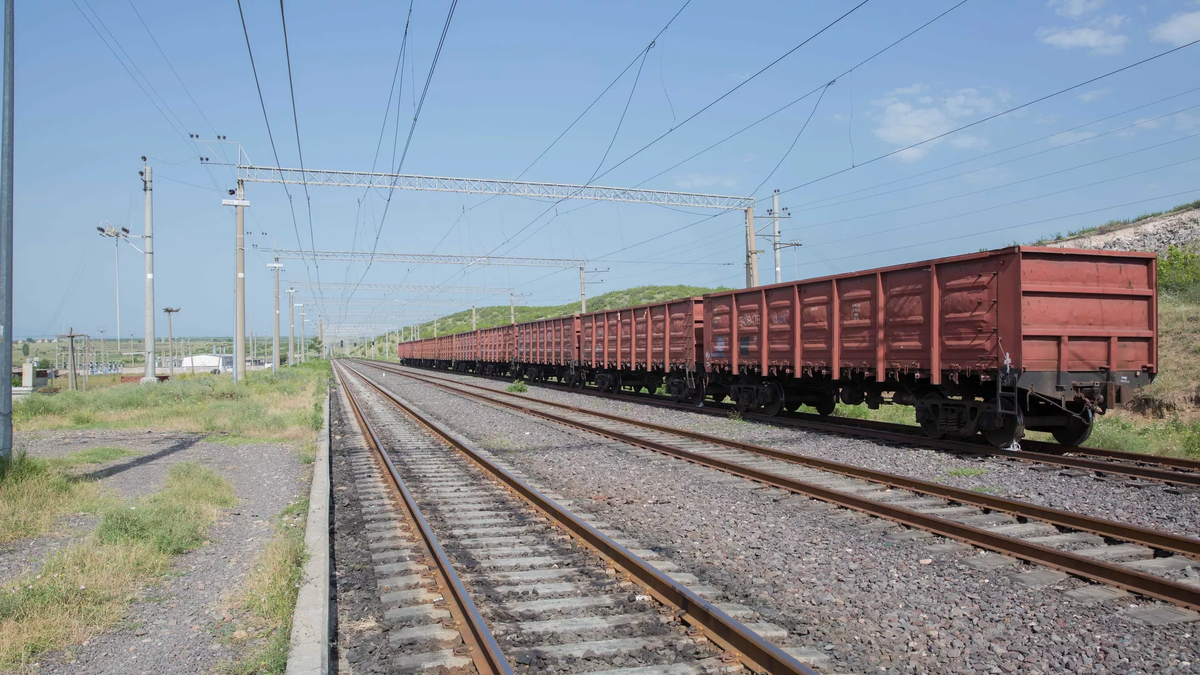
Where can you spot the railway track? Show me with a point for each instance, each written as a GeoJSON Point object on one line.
{"type": "Point", "coordinates": [1128, 465]}
{"type": "Point", "coordinates": [1149, 562]}
{"type": "Point", "coordinates": [479, 569]}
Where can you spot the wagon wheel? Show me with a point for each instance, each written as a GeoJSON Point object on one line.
{"type": "Point", "coordinates": [930, 428]}
{"type": "Point", "coordinates": [776, 406]}
{"type": "Point", "coordinates": [697, 397]}
{"type": "Point", "coordinates": [1077, 430]}
{"type": "Point", "coordinates": [1012, 430]}
{"type": "Point", "coordinates": [826, 406]}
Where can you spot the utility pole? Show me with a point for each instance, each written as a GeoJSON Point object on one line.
{"type": "Point", "coordinates": [512, 311]}
{"type": "Point", "coordinates": [435, 325]}
{"type": "Point", "coordinates": [472, 317]}
{"type": "Point", "coordinates": [751, 250]}
{"type": "Point", "coordinates": [582, 292]}
{"type": "Point", "coordinates": [303, 346]}
{"type": "Point", "coordinates": [148, 187]}
{"type": "Point", "coordinates": [291, 360]}
{"type": "Point", "coordinates": [6, 242]}
{"type": "Point", "coordinates": [117, 234]}
{"type": "Point", "coordinates": [72, 381]}
{"type": "Point", "coordinates": [170, 340]}
{"type": "Point", "coordinates": [775, 240]}
{"type": "Point", "coordinates": [239, 339]}
{"type": "Point", "coordinates": [321, 334]}
{"type": "Point", "coordinates": [101, 332]}
{"type": "Point", "coordinates": [276, 266]}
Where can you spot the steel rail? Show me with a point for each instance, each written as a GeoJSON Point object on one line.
{"type": "Point", "coordinates": [485, 651]}
{"type": "Point", "coordinates": [1106, 528]}
{"type": "Point", "coordinates": [904, 433]}
{"type": "Point", "coordinates": [1090, 568]}
{"type": "Point", "coordinates": [746, 645]}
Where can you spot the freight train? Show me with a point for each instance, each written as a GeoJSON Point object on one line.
{"type": "Point", "coordinates": [994, 343]}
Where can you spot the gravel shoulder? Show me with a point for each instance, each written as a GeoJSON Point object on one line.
{"type": "Point", "coordinates": [830, 577]}
{"type": "Point", "coordinates": [1152, 505]}
{"type": "Point", "coordinates": [177, 625]}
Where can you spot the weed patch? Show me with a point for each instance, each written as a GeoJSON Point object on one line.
{"type": "Point", "coordinates": [966, 471]}
{"type": "Point", "coordinates": [518, 387]}
{"type": "Point", "coordinates": [88, 587]}
{"type": "Point", "coordinates": [35, 492]}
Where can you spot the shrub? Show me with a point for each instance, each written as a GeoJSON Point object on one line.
{"type": "Point", "coordinates": [1178, 270]}
{"type": "Point", "coordinates": [518, 387]}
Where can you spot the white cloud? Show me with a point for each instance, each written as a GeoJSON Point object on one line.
{"type": "Point", "coordinates": [1097, 40]}
{"type": "Point", "coordinates": [1075, 8]}
{"type": "Point", "coordinates": [1178, 30]}
{"type": "Point", "coordinates": [1068, 137]}
{"type": "Point", "coordinates": [1093, 95]}
{"type": "Point", "coordinates": [1112, 21]}
{"type": "Point", "coordinates": [906, 118]}
{"type": "Point", "coordinates": [697, 181]}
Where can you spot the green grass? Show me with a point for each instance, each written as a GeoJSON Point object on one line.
{"type": "Point", "coordinates": [275, 407]}
{"type": "Point", "coordinates": [88, 587]}
{"type": "Point", "coordinates": [34, 493]}
{"type": "Point", "coordinates": [517, 387]}
{"type": "Point", "coordinates": [966, 471]}
{"type": "Point", "coordinates": [95, 456]}
{"type": "Point", "coordinates": [1115, 224]}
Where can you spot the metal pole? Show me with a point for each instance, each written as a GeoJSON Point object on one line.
{"type": "Point", "coordinates": [775, 237]}
{"type": "Point", "coordinates": [582, 292]}
{"type": "Point", "coordinates": [303, 344]}
{"type": "Point", "coordinates": [275, 342]}
{"type": "Point", "coordinates": [751, 252]}
{"type": "Point", "coordinates": [148, 187]}
{"type": "Point", "coordinates": [101, 332]}
{"type": "Point", "coordinates": [435, 325]}
{"type": "Point", "coordinates": [472, 317]}
{"type": "Point", "coordinates": [6, 243]}
{"type": "Point", "coordinates": [512, 312]}
{"type": "Point", "coordinates": [239, 338]}
{"type": "Point", "coordinates": [170, 342]}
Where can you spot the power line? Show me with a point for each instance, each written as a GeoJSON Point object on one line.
{"type": "Point", "coordinates": [1012, 203]}
{"type": "Point", "coordinates": [989, 118]}
{"type": "Point", "coordinates": [810, 205]}
{"type": "Point", "coordinates": [1013, 227]}
{"type": "Point", "coordinates": [412, 128]}
{"type": "Point", "coordinates": [796, 139]}
{"type": "Point", "coordinates": [267, 121]}
{"type": "Point", "coordinates": [299, 150]}
{"type": "Point", "coordinates": [1004, 185]}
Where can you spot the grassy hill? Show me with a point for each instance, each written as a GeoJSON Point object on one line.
{"type": "Point", "coordinates": [1115, 224]}
{"type": "Point", "coordinates": [498, 315]}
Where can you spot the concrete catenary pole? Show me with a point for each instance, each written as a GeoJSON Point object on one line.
{"type": "Point", "coordinates": [582, 291]}
{"type": "Point", "coordinates": [148, 188]}
{"type": "Point", "coordinates": [6, 243]}
{"type": "Point", "coordinates": [435, 325]}
{"type": "Point", "coordinates": [775, 236]}
{"type": "Point", "coordinates": [170, 340]}
{"type": "Point", "coordinates": [751, 251]}
{"type": "Point", "coordinates": [276, 266]}
{"type": "Point", "coordinates": [303, 345]}
{"type": "Point", "coordinates": [321, 335]}
{"type": "Point", "coordinates": [512, 311]}
{"type": "Point", "coordinates": [472, 317]}
{"type": "Point", "coordinates": [291, 360]}
{"type": "Point", "coordinates": [239, 338]}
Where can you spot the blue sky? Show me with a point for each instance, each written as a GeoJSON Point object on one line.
{"type": "Point", "coordinates": [512, 76]}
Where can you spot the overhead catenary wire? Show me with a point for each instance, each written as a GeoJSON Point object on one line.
{"type": "Point", "coordinates": [270, 136]}
{"type": "Point", "coordinates": [287, 52]}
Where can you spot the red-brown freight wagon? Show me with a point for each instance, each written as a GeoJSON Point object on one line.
{"type": "Point", "coordinates": [496, 350]}
{"type": "Point", "coordinates": [646, 346]}
{"type": "Point", "coordinates": [994, 342]}
{"type": "Point", "coordinates": [466, 350]}
{"type": "Point", "coordinates": [548, 348]}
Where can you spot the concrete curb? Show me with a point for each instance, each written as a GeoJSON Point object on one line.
{"type": "Point", "coordinates": [309, 653]}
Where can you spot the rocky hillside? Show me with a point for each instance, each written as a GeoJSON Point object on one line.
{"type": "Point", "coordinates": [1155, 233]}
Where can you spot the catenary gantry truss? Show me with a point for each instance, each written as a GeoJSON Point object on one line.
{"type": "Point", "coordinates": [399, 288]}
{"type": "Point", "coordinates": [483, 186]}
{"type": "Point", "coordinates": [424, 258]}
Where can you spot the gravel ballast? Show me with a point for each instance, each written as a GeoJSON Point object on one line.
{"type": "Point", "coordinates": [834, 579]}
{"type": "Point", "coordinates": [1152, 504]}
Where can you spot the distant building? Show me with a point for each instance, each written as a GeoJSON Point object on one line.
{"type": "Point", "coordinates": [207, 363]}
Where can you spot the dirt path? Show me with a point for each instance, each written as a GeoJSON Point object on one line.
{"type": "Point", "coordinates": [177, 624]}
